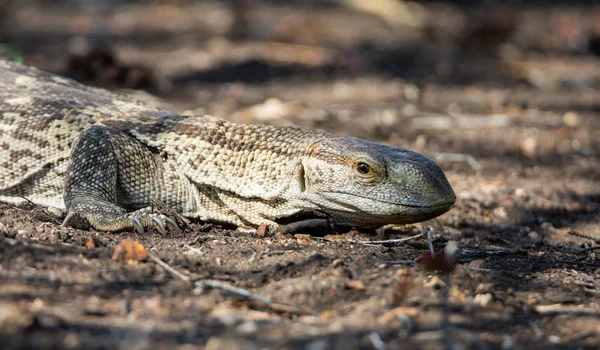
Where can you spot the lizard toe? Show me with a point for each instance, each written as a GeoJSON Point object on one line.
{"type": "Point", "coordinates": [172, 225]}
{"type": "Point", "coordinates": [137, 225]}
{"type": "Point", "coordinates": [158, 223]}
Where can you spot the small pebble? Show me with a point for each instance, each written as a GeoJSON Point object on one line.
{"type": "Point", "coordinates": [554, 339]}
{"type": "Point", "coordinates": [57, 213]}
{"type": "Point", "coordinates": [248, 327]}
{"type": "Point", "coordinates": [356, 284]}
{"type": "Point", "coordinates": [435, 283]}
{"type": "Point", "coordinates": [534, 236]}
{"type": "Point", "coordinates": [479, 264]}
{"type": "Point", "coordinates": [22, 235]}
{"type": "Point", "coordinates": [483, 299]}
{"type": "Point", "coordinates": [571, 119]}
{"type": "Point", "coordinates": [484, 288]}
{"type": "Point", "coordinates": [338, 262]}
{"type": "Point", "coordinates": [402, 272]}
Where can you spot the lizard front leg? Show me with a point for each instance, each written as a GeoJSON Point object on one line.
{"type": "Point", "coordinates": [111, 181]}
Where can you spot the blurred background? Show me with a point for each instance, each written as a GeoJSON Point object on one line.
{"type": "Point", "coordinates": [431, 75]}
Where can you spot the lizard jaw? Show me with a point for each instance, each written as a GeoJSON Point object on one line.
{"type": "Point", "coordinates": [345, 209]}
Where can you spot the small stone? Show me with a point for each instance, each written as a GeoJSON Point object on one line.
{"type": "Point", "coordinates": [54, 211]}
{"type": "Point", "coordinates": [37, 305]}
{"type": "Point", "coordinates": [508, 342]}
{"type": "Point", "coordinates": [303, 238]}
{"type": "Point", "coordinates": [534, 236]}
{"type": "Point", "coordinates": [554, 339]}
{"type": "Point", "coordinates": [483, 299]}
{"type": "Point", "coordinates": [421, 141]}
{"type": "Point", "coordinates": [356, 284]}
{"type": "Point", "coordinates": [7, 232]}
{"type": "Point", "coordinates": [14, 320]}
{"type": "Point", "coordinates": [478, 264]}
{"type": "Point", "coordinates": [388, 117]}
{"type": "Point", "coordinates": [22, 235]}
{"type": "Point", "coordinates": [230, 343]}
{"type": "Point", "coordinates": [435, 283]}
{"type": "Point", "coordinates": [571, 119]}
{"type": "Point", "coordinates": [317, 345]}
{"type": "Point", "coordinates": [72, 341]}
{"type": "Point", "coordinates": [484, 288]}
{"type": "Point", "coordinates": [409, 110]}
{"type": "Point", "coordinates": [500, 212]}
{"type": "Point", "coordinates": [402, 272]}
{"type": "Point", "coordinates": [328, 315]}
{"type": "Point", "coordinates": [529, 146]}
{"type": "Point", "coordinates": [338, 262]}
{"type": "Point", "coordinates": [246, 328]}
{"type": "Point", "coordinates": [412, 92]}
{"type": "Point", "coordinates": [395, 316]}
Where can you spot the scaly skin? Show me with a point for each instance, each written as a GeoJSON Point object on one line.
{"type": "Point", "coordinates": [104, 157]}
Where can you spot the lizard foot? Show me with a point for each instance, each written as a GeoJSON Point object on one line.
{"type": "Point", "coordinates": [103, 219]}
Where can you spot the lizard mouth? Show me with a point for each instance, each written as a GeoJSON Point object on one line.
{"type": "Point", "coordinates": [438, 205]}
{"type": "Point", "coordinates": [348, 212]}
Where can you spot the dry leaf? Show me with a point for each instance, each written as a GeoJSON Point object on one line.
{"type": "Point", "coordinates": [91, 243]}
{"type": "Point", "coordinates": [130, 249]}
{"type": "Point", "coordinates": [261, 231]}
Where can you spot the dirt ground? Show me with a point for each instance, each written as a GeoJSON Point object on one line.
{"type": "Point", "coordinates": [514, 91]}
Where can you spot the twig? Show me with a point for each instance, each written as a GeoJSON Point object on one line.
{"type": "Point", "coordinates": [236, 290]}
{"type": "Point", "coordinates": [388, 241]}
{"type": "Point", "coordinates": [213, 237]}
{"type": "Point", "coordinates": [581, 336]}
{"type": "Point", "coordinates": [29, 201]}
{"type": "Point", "coordinates": [195, 250]}
{"type": "Point", "coordinates": [281, 307]}
{"type": "Point", "coordinates": [429, 243]}
{"type": "Point", "coordinates": [583, 235]}
{"type": "Point", "coordinates": [485, 252]}
{"type": "Point", "coordinates": [586, 250]}
{"type": "Point", "coordinates": [51, 247]}
{"type": "Point", "coordinates": [446, 324]}
{"type": "Point", "coordinates": [472, 268]}
{"type": "Point", "coordinates": [458, 157]}
{"type": "Point", "coordinates": [556, 309]}
{"type": "Point", "coordinates": [535, 328]}
{"type": "Point", "coordinates": [376, 341]}
{"type": "Point", "coordinates": [169, 269]}
{"type": "Point", "coordinates": [398, 262]}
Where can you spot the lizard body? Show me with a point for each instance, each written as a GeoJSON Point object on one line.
{"type": "Point", "coordinates": [105, 156]}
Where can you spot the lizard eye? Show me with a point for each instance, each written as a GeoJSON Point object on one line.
{"type": "Point", "coordinates": [363, 168]}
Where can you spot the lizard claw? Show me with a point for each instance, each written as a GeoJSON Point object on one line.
{"type": "Point", "coordinates": [67, 219]}
{"type": "Point", "coordinates": [159, 225]}
{"type": "Point", "coordinates": [162, 223]}
{"type": "Point", "coordinates": [172, 225]}
{"type": "Point", "coordinates": [137, 225]}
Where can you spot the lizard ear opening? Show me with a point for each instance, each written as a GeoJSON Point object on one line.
{"type": "Point", "coordinates": [302, 178]}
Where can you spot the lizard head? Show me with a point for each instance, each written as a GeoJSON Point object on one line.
{"type": "Point", "coordinates": [366, 184]}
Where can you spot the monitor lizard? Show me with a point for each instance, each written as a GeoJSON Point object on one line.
{"type": "Point", "coordinates": [104, 157]}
